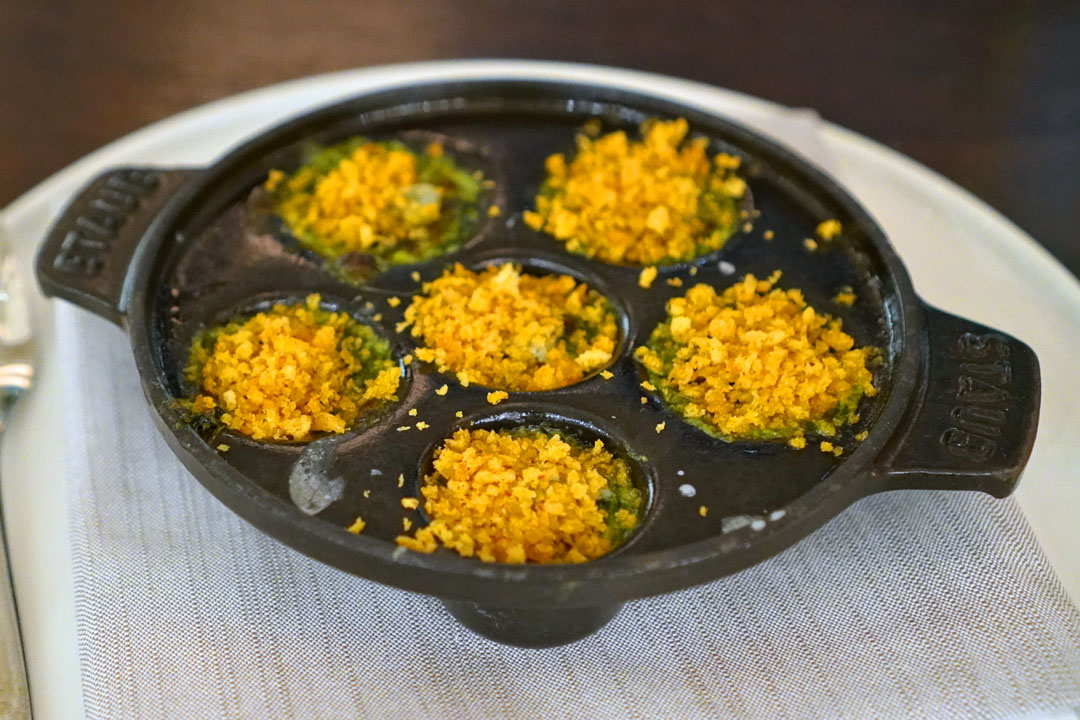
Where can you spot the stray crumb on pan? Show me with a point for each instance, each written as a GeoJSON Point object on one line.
{"type": "Point", "coordinates": [660, 427]}
{"type": "Point", "coordinates": [647, 276]}
{"type": "Point", "coordinates": [497, 396]}
{"type": "Point", "coordinates": [845, 297]}
{"type": "Point", "coordinates": [358, 526]}
{"type": "Point", "coordinates": [828, 229]}
{"type": "Point", "coordinates": [442, 390]}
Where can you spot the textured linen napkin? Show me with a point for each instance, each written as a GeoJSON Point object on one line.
{"type": "Point", "coordinates": [910, 604]}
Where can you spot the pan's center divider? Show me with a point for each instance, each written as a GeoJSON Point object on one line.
{"type": "Point", "coordinates": [530, 627]}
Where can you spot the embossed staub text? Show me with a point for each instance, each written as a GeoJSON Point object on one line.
{"type": "Point", "coordinates": [86, 247]}
{"type": "Point", "coordinates": [983, 397]}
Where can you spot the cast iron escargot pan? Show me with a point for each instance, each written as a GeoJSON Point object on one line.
{"type": "Point", "coordinates": [164, 252]}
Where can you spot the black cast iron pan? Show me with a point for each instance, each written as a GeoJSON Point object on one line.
{"type": "Point", "coordinates": [164, 252]}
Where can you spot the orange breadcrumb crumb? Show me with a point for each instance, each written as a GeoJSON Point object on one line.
{"type": "Point", "coordinates": [289, 372]}
{"type": "Point", "coordinates": [505, 329]}
{"type": "Point", "coordinates": [525, 496]}
{"type": "Point", "coordinates": [657, 200]}
{"type": "Point", "coordinates": [364, 202]}
{"type": "Point", "coordinates": [757, 362]}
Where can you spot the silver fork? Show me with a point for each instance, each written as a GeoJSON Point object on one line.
{"type": "Point", "coordinates": [16, 377]}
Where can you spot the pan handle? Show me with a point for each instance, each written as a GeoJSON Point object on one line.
{"type": "Point", "coordinates": [974, 424]}
{"type": "Point", "coordinates": [86, 254]}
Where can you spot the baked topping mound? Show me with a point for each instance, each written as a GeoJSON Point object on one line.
{"type": "Point", "coordinates": [659, 200]}
{"type": "Point", "coordinates": [290, 372]}
{"type": "Point", "coordinates": [756, 362]}
{"type": "Point", "coordinates": [502, 328]}
{"type": "Point", "coordinates": [379, 203]}
{"type": "Point", "coordinates": [526, 495]}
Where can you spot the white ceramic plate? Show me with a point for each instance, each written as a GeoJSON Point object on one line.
{"type": "Point", "coordinates": [962, 255]}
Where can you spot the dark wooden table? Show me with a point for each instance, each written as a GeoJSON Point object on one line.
{"type": "Point", "coordinates": [987, 93]}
